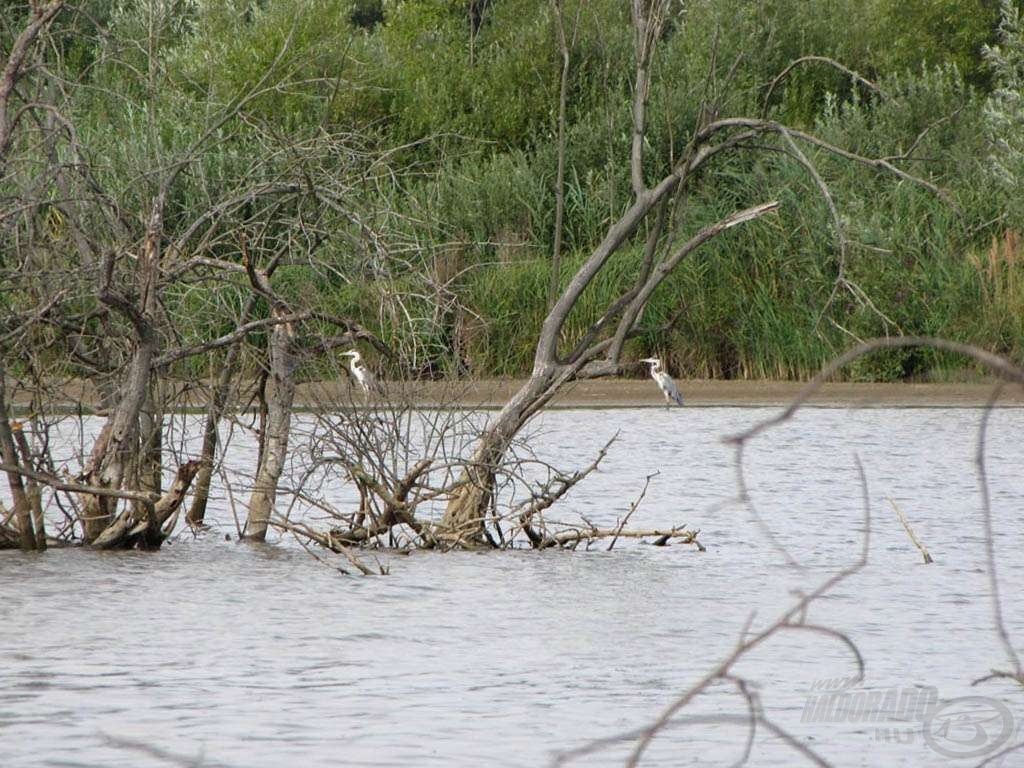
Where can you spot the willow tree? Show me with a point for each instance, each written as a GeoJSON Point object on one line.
{"type": "Point", "coordinates": [599, 350]}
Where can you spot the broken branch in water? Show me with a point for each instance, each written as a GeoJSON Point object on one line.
{"type": "Point", "coordinates": [589, 533]}
{"type": "Point", "coordinates": [304, 534]}
{"type": "Point", "coordinates": [632, 508]}
{"type": "Point", "coordinates": [551, 492]}
{"type": "Point", "coordinates": [910, 532]}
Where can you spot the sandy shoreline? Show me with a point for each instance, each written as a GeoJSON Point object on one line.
{"type": "Point", "coordinates": [623, 393]}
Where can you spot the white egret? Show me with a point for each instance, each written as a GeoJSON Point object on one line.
{"type": "Point", "coordinates": [360, 372]}
{"type": "Point", "coordinates": [664, 381]}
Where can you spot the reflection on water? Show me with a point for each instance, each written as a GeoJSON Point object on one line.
{"type": "Point", "coordinates": [259, 656]}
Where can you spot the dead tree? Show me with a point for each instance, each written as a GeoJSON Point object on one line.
{"type": "Point", "coordinates": [31, 534]}
{"type": "Point", "coordinates": [599, 350]}
{"type": "Point", "coordinates": [282, 362]}
{"type": "Point", "coordinates": [110, 315]}
{"type": "Point", "coordinates": [23, 523]}
{"type": "Point", "coordinates": [402, 460]}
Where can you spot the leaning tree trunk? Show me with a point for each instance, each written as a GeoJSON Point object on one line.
{"type": "Point", "coordinates": [116, 444]}
{"type": "Point", "coordinates": [275, 437]}
{"type": "Point", "coordinates": [463, 521]}
{"type": "Point", "coordinates": [117, 447]}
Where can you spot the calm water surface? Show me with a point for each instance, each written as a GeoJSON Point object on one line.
{"type": "Point", "coordinates": [259, 656]}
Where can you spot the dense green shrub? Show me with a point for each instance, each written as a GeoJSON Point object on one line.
{"type": "Point", "coordinates": [451, 109]}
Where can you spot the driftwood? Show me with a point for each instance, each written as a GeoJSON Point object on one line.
{"type": "Point", "coordinates": [327, 540]}
{"type": "Point", "coordinates": [548, 495]}
{"type": "Point", "coordinates": [572, 538]}
{"type": "Point", "coordinates": [385, 506]}
{"type": "Point", "coordinates": [910, 532]}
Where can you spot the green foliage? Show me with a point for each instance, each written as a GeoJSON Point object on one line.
{"type": "Point", "coordinates": [496, 84]}
{"type": "Point", "coordinates": [457, 109]}
{"type": "Point", "coordinates": [916, 34]}
{"type": "Point", "coordinates": [235, 44]}
{"type": "Point", "coordinates": [877, 39]}
{"type": "Point", "coordinates": [1004, 108]}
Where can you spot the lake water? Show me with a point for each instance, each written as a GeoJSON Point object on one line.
{"type": "Point", "coordinates": [227, 654]}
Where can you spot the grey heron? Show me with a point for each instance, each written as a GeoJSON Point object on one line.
{"type": "Point", "coordinates": [360, 372]}
{"type": "Point", "coordinates": [664, 381]}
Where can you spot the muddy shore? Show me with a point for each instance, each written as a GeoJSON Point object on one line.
{"type": "Point", "coordinates": [621, 393]}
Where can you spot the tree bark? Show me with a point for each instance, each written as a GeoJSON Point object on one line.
{"type": "Point", "coordinates": [32, 490]}
{"type": "Point", "coordinates": [146, 530]}
{"type": "Point", "coordinates": [283, 362]}
{"type": "Point", "coordinates": [463, 521]}
{"type": "Point", "coordinates": [116, 444]}
{"type": "Point", "coordinates": [118, 441]}
{"type": "Point", "coordinates": [9, 455]}
{"type": "Point", "coordinates": [151, 429]}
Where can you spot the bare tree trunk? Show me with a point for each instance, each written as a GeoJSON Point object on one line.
{"type": "Point", "coordinates": [211, 431]}
{"type": "Point", "coordinates": [151, 428]}
{"type": "Point", "coordinates": [115, 446]}
{"type": "Point", "coordinates": [9, 454]}
{"type": "Point", "coordinates": [211, 436]}
{"type": "Point", "coordinates": [563, 91]}
{"type": "Point", "coordinates": [463, 520]}
{"type": "Point", "coordinates": [283, 363]}
{"type": "Point", "coordinates": [118, 440]}
{"type": "Point", "coordinates": [32, 490]}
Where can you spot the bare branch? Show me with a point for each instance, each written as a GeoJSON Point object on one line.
{"type": "Point", "coordinates": [818, 60]}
